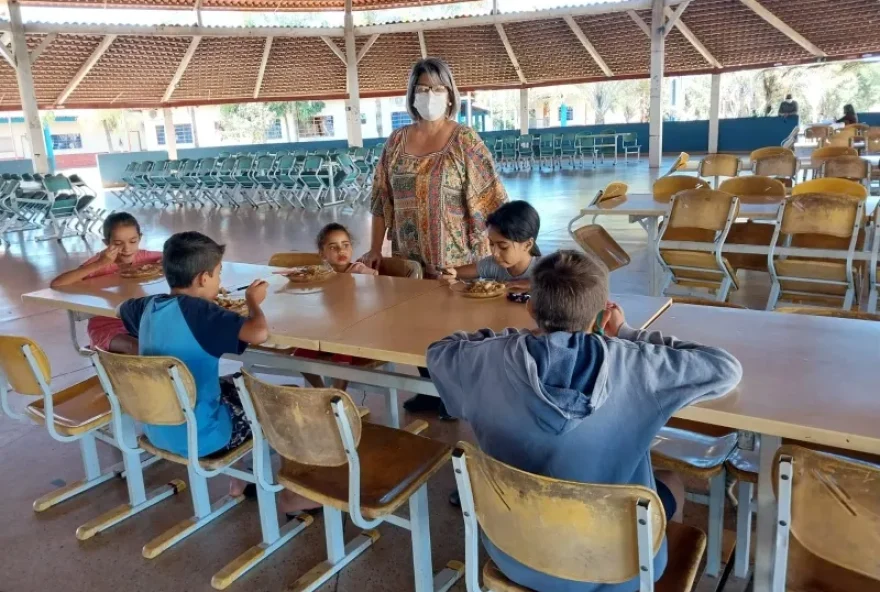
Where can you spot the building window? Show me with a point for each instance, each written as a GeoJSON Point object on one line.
{"type": "Point", "coordinates": [274, 131]}
{"type": "Point", "coordinates": [566, 113]}
{"type": "Point", "coordinates": [66, 141]}
{"type": "Point", "coordinates": [316, 127]}
{"type": "Point", "coordinates": [183, 133]}
{"type": "Point", "coordinates": [363, 118]}
{"type": "Point", "coordinates": [400, 119]}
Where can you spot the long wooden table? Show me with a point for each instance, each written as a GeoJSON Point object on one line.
{"type": "Point", "coordinates": [804, 377]}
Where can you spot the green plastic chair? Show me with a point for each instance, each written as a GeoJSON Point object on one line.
{"type": "Point", "coordinates": [525, 151]}
{"type": "Point", "coordinates": [287, 181]}
{"type": "Point", "coordinates": [313, 179]}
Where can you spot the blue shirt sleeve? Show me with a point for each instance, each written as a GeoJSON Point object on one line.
{"type": "Point", "coordinates": [130, 312]}
{"type": "Point", "coordinates": [215, 328]}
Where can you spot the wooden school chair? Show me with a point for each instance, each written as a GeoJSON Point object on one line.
{"type": "Point", "coordinates": [582, 532]}
{"type": "Point", "coordinates": [665, 187]}
{"type": "Point", "coordinates": [816, 220]}
{"type": "Point", "coordinates": [752, 232]}
{"type": "Point", "coordinates": [820, 155]}
{"type": "Point", "coordinates": [854, 168]}
{"type": "Point", "coordinates": [708, 216]}
{"type": "Point", "coordinates": [776, 162]}
{"type": "Point", "coordinates": [832, 185]}
{"type": "Point", "coordinates": [330, 456]}
{"type": "Point", "coordinates": [160, 390]}
{"type": "Point", "coordinates": [679, 164]}
{"type": "Point", "coordinates": [826, 534]}
{"type": "Point", "coordinates": [79, 413]}
{"type": "Point", "coordinates": [593, 238]}
{"type": "Point", "coordinates": [819, 133]}
{"type": "Point", "coordinates": [874, 263]}
{"type": "Point", "coordinates": [295, 259]}
{"type": "Point", "coordinates": [719, 165]}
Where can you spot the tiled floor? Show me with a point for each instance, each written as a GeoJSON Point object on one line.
{"type": "Point", "coordinates": [40, 551]}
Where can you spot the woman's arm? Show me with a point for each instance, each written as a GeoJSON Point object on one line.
{"type": "Point", "coordinates": [377, 239]}
{"type": "Point", "coordinates": [381, 207]}
{"type": "Point", "coordinates": [107, 257]}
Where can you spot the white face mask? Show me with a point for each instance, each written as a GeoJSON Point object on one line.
{"type": "Point", "coordinates": [431, 106]}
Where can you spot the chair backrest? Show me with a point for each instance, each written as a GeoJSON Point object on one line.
{"type": "Point", "coordinates": [820, 214]}
{"type": "Point", "coordinates": [665, 187]}
{"type": "Point", "coordinates": [820, 155]}
{"type": "Point", "coordinates": [145, 389]}
{"type": "Point", "coordinates": [582, 532]}
{"type": "Point", "coordinates": [206, 165]}
{"type": "Point", "coordinates": [593, 238]}
{"type": "Point", "coordinates": [57, 184]}
{"type": "Point", "coordinates": [293, 259]}
{"type": "Point", "coordinates": [312, 164]}
{"type": "Point", "coordinates": [679, 163]}
{"type": "Point", "coordinates": [719, 165]}
{"type": "Point", "coordinates": [854, 168]}
{"type": "Point", "coordinates": [705, 209]}
{"type": "Point", "coordinates": [769, 151]}
{"type": "Point", "coordinates": [831, 185]}
{"type": "Point", "coordinates": [835, 504]}
{"type": "Point", "coordinates": [264, 164]}
{"type": "Point", "coordinates": [15, 366]}
{"type": "Point", "coordinates": [400, 267]}
{"type": "Point", "coordinates": [782, 164]}
{"type": "Point", "coordinates": [753, 185]}
{"type": "Point", "coordinates": [299, 423]}
{"type": "Point", "coordinates": [829, 312]}
{"type": "Point", "coordinates": [244, 163]}
{"type": "Point", "coordinates": [840, 140]}
{"type": "Point", "coordinates": [847, 131]}
{"type": "Point", "coordinates": [817, 132]}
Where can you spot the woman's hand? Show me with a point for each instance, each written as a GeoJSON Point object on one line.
{"type": "Point", "coordinates": [450, 276]}
{"type": "Point", "coordinates": [371, 259]}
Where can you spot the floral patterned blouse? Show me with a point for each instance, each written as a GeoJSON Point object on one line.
{"type": "Point", "coordinates": [435, 206]}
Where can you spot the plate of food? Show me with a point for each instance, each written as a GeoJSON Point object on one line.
{"type": "Point", "coordinates": [306, 274]}
{"type": "Point", "coordinates": [147, 271]}
{"type": "Point", "coordinates": [480, 289]}
{"type": "Point", "coordinates": [238, 305]}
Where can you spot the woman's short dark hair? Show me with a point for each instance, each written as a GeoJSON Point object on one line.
{"type": "Point", "coordinates": [113, 221]}
{"type": "Point", "coordinates": [568, 291]}
{"type": "Point", "coordinates": [440, 73]}
{"type": "Point", "coordinates": [187, 254]}
{"type": "Point", "coordinates": [332, 227]}
{"type": "Point", "coordinates": [517, 221]}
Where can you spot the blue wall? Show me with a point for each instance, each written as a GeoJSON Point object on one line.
{"type": "Point", "coordinates": [17, 166]}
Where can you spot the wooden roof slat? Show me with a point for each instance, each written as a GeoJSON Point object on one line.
{"type": "Point", "coordinates": [243, 5]}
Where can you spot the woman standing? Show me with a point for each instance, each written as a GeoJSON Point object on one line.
{"type": "Point", "coordinates": [435, 182]}
{"type": "Point", "coordinates": [849, 115]}
{"type": "Point", "coordinates": [434, 186]}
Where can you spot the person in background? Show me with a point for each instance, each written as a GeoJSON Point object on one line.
{"type": "Point", "coordinates": [581, 398]}
{"type": "Point", "coordinates": [334, 245]}
{"type": "Point", "coordinates": [849, 115]}
{"type": "Point", "coordinates": [122, 235]}
{"type": "Point", "coordinates": [513, 235]}
{"type": "Point", "coordinates": [435, 183]}
{"type": "Point", "coordinates": [788, 107]}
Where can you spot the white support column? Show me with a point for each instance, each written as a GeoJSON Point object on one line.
{"type": "Point", "coordinates": [469, 113]}
{"type": "Point", "coordinates": [195, 127]}
{"type": "Point", "coordinates": [26, 90]}
{"type": "Point", "coordinates": [523, 111]}
{"type": "Point", "coordinates": [714, 108]}
{"type": "Point", "coordinates": [170, 136]}
{"type": "Point", "coordinates": [353, 104]}
{"type": "Point", "coordinates": [655, 144]}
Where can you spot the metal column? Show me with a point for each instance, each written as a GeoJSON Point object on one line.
{"type": "Point", "coordinates": [714, 108]}
{"type": "Point", "coordinates": [26, 90]}
{"type": "Point", "coordinates": [655, 146]}
{"type": "Point", "coordinates": [353, 104]}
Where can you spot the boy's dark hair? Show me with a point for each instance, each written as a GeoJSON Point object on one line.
{"type": "Point", "coordinates": [332, 227]}
{"type": "Point", "coordinates": [118, 219]}
{"type": "Point", "coordinates": [517, 221]}
{"type": "Point", "coordinates": [186, 255]}
{"type": "Point", "coordinates": [568, 291]}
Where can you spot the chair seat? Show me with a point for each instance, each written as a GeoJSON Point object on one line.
{"type": "Point", "coordinates": [745, 464]}
{"type": "Point", "coordinates": [212, 462]}
{"type": "Point", "coordinates": [685, 545]}
{"type": "Point", "coordinates": [693, 453]}
{"type": "Point", "coordinates": [394, 464]}
{"type": "Point", "coordinates": [76, 410]}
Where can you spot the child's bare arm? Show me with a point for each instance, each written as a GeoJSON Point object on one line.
{"type": "Point", "coordinates": [255, 329]}
{"type": "Point", "coordinates": [464, 272]}
{"type": "Point", "coordinates": [108, 257]}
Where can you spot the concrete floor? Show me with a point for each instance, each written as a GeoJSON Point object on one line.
{"type": "Point", "coordinates": [40, 551]}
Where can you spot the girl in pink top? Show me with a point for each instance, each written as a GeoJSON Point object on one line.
{"type": "Point", "coordinates": [122, 235]}
{"type": "Point", "coordinates": [334, 245]}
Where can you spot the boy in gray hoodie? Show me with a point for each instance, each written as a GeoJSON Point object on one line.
{"type": "Point", "coordinates": [581, 399]}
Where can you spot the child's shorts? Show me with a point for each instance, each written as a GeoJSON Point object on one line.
{"type": "Point", "coordinates": [241, 428]}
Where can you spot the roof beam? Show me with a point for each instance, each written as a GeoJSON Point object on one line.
{"type": "Point", "coordinates": [579, 33]}
{"type": "Point", "coordinates": [366, 47]}
{"type": "Point", "coordinates": [674, 17]}
{"type": "Point", "coordinates": [689, 35]}
{"type": "Point", "coordinates": [267, 51]}
{"type": "Point", "coordinates": [422, 45]}
{"type": "Point", "coordinates": [7, 55]}
{"type": "Point", "coordinates": [181, 68]}
{"type": "Point", "coordinates": [640, 22]}
{"type": "Point", "coordinates": [335, 48]}
{"type": "Point", "coordinates": [501, 33]}
{"type": "Point", "coordinates": [778, 24]}
{"type": "Point", "coordinates": [86, 68]}
{"type": "Point", "coordinates": [43, 46]}
{"type": "Point", "coordinates": [177, 31]}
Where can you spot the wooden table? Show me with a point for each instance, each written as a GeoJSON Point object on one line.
{"type": "Point", "coordinates": [402, 334]}
{"type": "Point", "coordinates": [807, 378]}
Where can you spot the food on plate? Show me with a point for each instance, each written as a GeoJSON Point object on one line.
{"type": "Point", "coordinates": [307, 273]}
{"type": "Point", "coordinates": [238, 305]}
{"type": "Point", "coordinates": [485, 289]}
{"type": "Point", "coordinates": [147, 270]}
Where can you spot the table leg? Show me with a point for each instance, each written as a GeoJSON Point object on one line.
{"type": "Point", "coordinates": [651, 225]}
{"type": "Point", "coordinates": [766, 515]}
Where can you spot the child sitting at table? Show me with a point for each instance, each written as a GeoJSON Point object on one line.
{"type": "Point", "coordinates": [513, 237]}
{"type": "Point", "coordinates": [122, 235]}
{"type": "Point", "coordinates": [188, 324]}
{"type": "Point", "coordinates": [334, 245]}
{"type": "Point", "coordinates": [579, 399]}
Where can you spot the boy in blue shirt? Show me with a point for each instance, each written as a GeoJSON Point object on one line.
{"type": "Point", "coordinates": [188, 324]}
{"type": "Point", "coordinates": [572, 402]}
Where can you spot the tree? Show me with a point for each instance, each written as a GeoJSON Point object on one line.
{"type": "Point", "coordinates": [247, 121]}
{"type": "Point", "coordinates": [604, 97]}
